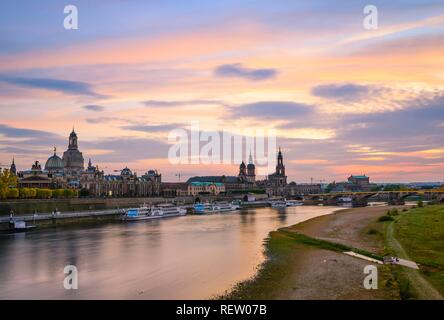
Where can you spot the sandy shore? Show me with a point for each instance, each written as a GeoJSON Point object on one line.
{"type": "Point", "coordinates": [322, 274]}
{"type": "Point", "coordinates": [299, 271]}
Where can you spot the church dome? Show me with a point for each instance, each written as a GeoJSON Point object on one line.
{"type": "Point", "coordinates": [251, 166]}
{"type": "Point", "coordinates": [54, 163]}
{"type": "Point", "coordinates": [126, 172]}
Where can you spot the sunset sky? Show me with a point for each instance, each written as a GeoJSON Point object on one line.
{"type": "Point", "coordinates": [342, 99]}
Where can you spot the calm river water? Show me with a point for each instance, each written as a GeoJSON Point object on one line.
{"type": "Point", "coordinates": [190, 257]}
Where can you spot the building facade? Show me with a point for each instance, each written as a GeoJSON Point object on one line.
{"type": "Point", "coordinates": [300, 189]}
{"type": "Point", "coordinates": [358, 183]}
{"type": "Point", "coordinates": [38, 178]}
{"type": "Point", "coordinates": [174, 189]}
{"type": "Point", "coordinates": [126, 184]}
{"type": "Point", "coordinates": [244, 181]}
{"type": "Point", "coordinates": [69, 172]}
{"type": "Point", "coordinates": [205, 188]}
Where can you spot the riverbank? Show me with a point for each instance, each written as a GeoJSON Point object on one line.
{"type": "Point", "coordinates": [28, 206]}
{"type": "Point", "coordinates": [305, 261]}
{"type": "Point", "coordinates": [418, 235]}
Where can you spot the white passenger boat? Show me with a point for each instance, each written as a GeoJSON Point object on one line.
{"type": "Point", "coordinates": [278, 204]}
{"type": "Point", "coordinates": [293, 203]}
{"type": "Point", "coordinates": [153, 212]}
{"type": "Point", "coordinates": [224, 206]}
{"type": "Point", "coordinates": [205, 208]}
{"type": "Point", "coordinates": [345, 199]}
{"type": "Point", "coordinates": [345, 202]}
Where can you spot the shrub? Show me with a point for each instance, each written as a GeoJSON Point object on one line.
{"type": "Point", "coordinates": [405, 290]}
{"type": "Point", "coordinates": [372, 231]}
{"type": "Point", "coordinates": [420, 204]}
{"type": "Point", "coordinates": [385, 218]}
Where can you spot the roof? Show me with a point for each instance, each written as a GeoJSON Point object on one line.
{"type": "Point", "coordinates": [35, 178]}
{"type": "Point", "coordinates": [359, 177]}
{"type": "Point", "coordinates": [126, 172]}
{"type": "Point", "coordinates": [54, 163]}
{"type": "Point", "coordinates": [221, 179]}
{"type": "Point", "coordinates": [112, 177]}
{"type": "Point", "coordinates": [206, 184]}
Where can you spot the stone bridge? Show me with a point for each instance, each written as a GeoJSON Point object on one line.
{"type": "Point", "coordinates": [361, 198]}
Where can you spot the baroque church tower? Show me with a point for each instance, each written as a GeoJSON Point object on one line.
{"type": "Point", "coordinates": [242, 172]}
{"type": "Point", "coordinates": [13, 169]}
{"type": "Point", "coordinates": [73, 158]}
{"type": "Point", "coordinates": [280, 168]}
{"type": "Point", "coordinates": [278, 180]}
{"type": "Point", "coordinates": [251, 170]}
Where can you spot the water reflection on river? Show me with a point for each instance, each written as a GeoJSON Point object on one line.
{"type": "Point", "coordinates": [191, 257]}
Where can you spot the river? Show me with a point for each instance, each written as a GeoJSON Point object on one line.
{"type": "Point", "coordinates": [190, 257]}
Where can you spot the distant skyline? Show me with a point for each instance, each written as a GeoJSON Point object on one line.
{"type": "Point", "coordinates": [343, 100]}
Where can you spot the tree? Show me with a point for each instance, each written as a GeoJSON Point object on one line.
{"type": "Point", "coordinates": [13, 193]}
{"type": "Point", "coordinates": [329, 187]}
{"type": "Point", "coordinates": [57, 193]}
{"type": "Point", "coordinates": [44, 193]}
{"type": "Point", "coordinates": [32, 193]}
{"type": "Point", "coordinates": [7, 180]}
{"type": "Point", "coordinates": [84, 193]}
{"type": "Point", "coordinates": [27, 193]}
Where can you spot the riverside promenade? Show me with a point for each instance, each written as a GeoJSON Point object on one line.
{"type": "Point", "coordinates": [45, 218]}
{"type": "Point", "coordinates": [65, 215]}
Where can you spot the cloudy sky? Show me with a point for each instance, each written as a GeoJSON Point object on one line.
{"type": "Point", "coordinates": [342, 99]}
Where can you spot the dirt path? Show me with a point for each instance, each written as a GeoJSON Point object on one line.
{"type": "Point", "coordinates": [423, 289]}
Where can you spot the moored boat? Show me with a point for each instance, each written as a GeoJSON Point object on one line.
{"type": "Point", "coordinates": [207, 208]}
{"type": "Point", "coordinates": [278, 204]}
{"type": "Point", "coordinates": [20, 226]}
{"type": "Point", "coordinates": [153, 212]}
{"type": "Point", "coordinates": [345, 201]}
{"type": "Point", "coordinates": [293, 203]}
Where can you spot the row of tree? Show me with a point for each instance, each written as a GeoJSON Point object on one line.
{"type": "Point", "coordinates": [37, 193]}
{"type": "Point", "coordinates": [9, 190]}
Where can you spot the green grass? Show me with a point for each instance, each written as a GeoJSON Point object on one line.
{"type": "Point", "coordinates": [420, 231]}
{"type": "Point", "coordinates": [327, 245]}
